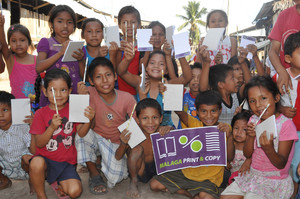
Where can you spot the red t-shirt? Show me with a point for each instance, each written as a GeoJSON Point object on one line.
{"type": "Point", "coordinates": [133, 68]}
{"type": "Point", "coordinates": [61, 146]}
{"type": "Point", "coordinates": [288, 22]}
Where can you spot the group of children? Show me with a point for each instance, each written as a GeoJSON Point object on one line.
{"type": "Point", "coordinates": [49, 147]}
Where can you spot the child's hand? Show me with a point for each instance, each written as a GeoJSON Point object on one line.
{"type": "Point", "coordinates": [252, 49]}
{"type": "Point", "coordinates": [78, 54]}
{"type": "Point", "coordinates": [29, 119]}
{"type": "Point", "coordinates": [2, 21]}
{"type": "Point", "coordinates": [265, 143]}
{"type": "Point", "coordinates": [89, 112]}
{"type": "Point", "coordinates": [167, 48]}
{"type": "Point", "coordinates": [64, 46]}
{"type": "Point", "coordinates": [225, 128]}
{"type": "Point", "coordinates": [163, 130]}
{"type": "Point", "coordinates": [238, 110]}
{"type": "Point", "coordinates": [251, 129]}
{"type": "Point", "coordinates": [288, 111]}
{"type": "Point", "coordinates": [103, 50]}
{"type": "Point", "coordinates": [219, 58]}
{"type": "Point", "coordinates": [56, 121]}
{"type": "Point", "coordinates": [129, 52]}
{"type": "Point", "coordinates": [161, 87]}
{"type": "Point", "coordinates": [113, 49]}
{"type": "Point", "coordinates": [245, 168]}
{"type": "Point", "coordinates": [204, 55]}
{"type": "Point", "coordinates": [81, 88]}
{"type": "Point", "coordinates": [243, 54]}
{"type": "Point", "coordinates": [125, 136]}
{"type": "Point", "coordinates": [147, 87]}
{"type": "Point", "coordinates": [123, 45]}
{"type": "Point", "coordinates": [229, 166]}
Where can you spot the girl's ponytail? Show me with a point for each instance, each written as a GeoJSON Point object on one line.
{"type": "Point", "coordinates": [37, 89]}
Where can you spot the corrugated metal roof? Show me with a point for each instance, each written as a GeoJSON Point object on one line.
{"type": "Point", "coordinates": [265, 11]}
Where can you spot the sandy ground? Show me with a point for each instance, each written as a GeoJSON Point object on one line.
{"type": "Point", "coordinates": [20, 189]}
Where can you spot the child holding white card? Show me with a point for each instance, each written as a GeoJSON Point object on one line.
{"type": "Point", "coordinates": [20, 64]}
{"type": "Point", "coordinates": [269, 172]}
{"type": "Point", "coordinates": [92, 33]}
{"type": "Point", "coordinates": [55, 156]}
{"type": "Point", "coordinates": [62, 23]}
{"type": "Point", "coordinates": [141, 164]}
{"type": "Point", "coordinates": [112, 108]}
{"type": "Point", "coordinates": [14, 145]}
{"type": "Point", "coordinates": [155, 69]}
{"type": "Point", "coordinates": [228, 47]}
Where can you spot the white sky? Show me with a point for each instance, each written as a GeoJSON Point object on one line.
{"type": "Point", "coordinates": [241, 12]}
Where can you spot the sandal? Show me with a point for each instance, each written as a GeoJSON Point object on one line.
{"type": "Point", "coordinates": [5, 182]}
{"type": "Point", "coordinates": [95, 182]}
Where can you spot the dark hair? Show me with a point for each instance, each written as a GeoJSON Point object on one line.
{"type": "Point", "coordinates": [88, 20]}
{"type": "Point", "coordinates": [50, 75]}
{"type": "Point", "coordinates": [233, 61]}
{"type": "Point", "coordinates": [157, 23]}
{"type": "Point", "coordinates": [100, 61]}
{"type": "Point", "coordinates": [55, 11]}
{"type": "Point", "coordinates": [5, 98]}
{"type": "Point", "coordinates": [292, 43]}
{"type": "Point", "coordinates": [21, 29]}
{"type": "Point", "coordinates": [196, 65]}
{"type": "Point", "coordinates": [146, 103]}
{"type": "Point", "coordinates": [214, 11]}
{"type": "Point", "coordinates": [157, 52]}
{"type": "Point", "coordinates": [209, 97]}
{"type": "Point", "coordinates": [129, 10]}
{"type": "Point", "coordinates": [262, 81]}
{"type": "Point", "coordinates": [244, 115]}
{"type": "Point", "coordinates": [218, 73]}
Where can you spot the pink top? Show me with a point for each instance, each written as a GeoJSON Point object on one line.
{"type": "Point", "coordinates": [109, 116]}
{"type": "Point", "coordinates": [288, 22]}
{"type": "Point", "coordinates": [22, 79]}
{"type": "Point", "coordinates": [286, 130]}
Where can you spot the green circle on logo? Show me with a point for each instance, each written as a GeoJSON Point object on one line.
{"type": "Point", "coordinates": [196, 146]}
{"type": "Point", "coordinates": [183, 139]}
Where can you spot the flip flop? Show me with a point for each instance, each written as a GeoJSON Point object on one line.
{"type": "Point", "coordinates": [57, 189]}
{"type": "Point", "coordinates": [97, 181]}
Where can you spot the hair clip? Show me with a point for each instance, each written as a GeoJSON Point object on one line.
{"type": "Point", "coordinates": [12, 27]}
{"type": "Point", "coordinates": [42, 74]}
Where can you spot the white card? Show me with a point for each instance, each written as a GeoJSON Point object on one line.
{"type": "Point", "coordinates": [137, 136]}
{"type": "Point", "coordinates": [19, 109]}
{"type": "Point", "coordinates": [77, 104]}
{"type": "Point", "coordinates": [245, 40]}
{"type": "Point", "coordinates": [246, 106]}
{"type": "Point", "coordinates": [269, 125]}
{"type": "Point", "coordinates": [173, 97]}
{"type": "Point", "coordinates": [143, 38]}
{"type": "Point", "coordinates": [169, 34]}
{"type": "Point", "coordinates": [112, 34]}
{"type": "Point", "coordinates": [143, 78]}
{"type": "Point", "coordinates": [181, 45]}
{"type": "Point", "coordinates": [72, 46]}
{"type": "Point", "coordinates": [213, 38]}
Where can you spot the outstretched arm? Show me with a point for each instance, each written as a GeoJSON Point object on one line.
{"type": "Point", "coordinates": [204, 76]}
{"type": "Point", "coordinates": [170, 66]}
{"type": "Point", "coordinates": [246, 72]}
{"type": "Point", "coordinates": [82, 129]}
{"type": "Point", "coordinates": [183, 116]}
{"type": "Point", "coordinates": [186, 73]}
{"type": "Point", "coordinates": [249, 144]}
{"type": "Point", "coordinates": [259, 66]}
{"type": "Point", "coordinates": [2, 64]}
{"type": "Point", "coordinates": [131, 79]}
{"type": "Point", "coordinates": [6, 53]}
{"type": "Point", "coordinates": [123, 147]}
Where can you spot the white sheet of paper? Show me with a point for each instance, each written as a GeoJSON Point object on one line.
{"type": "Point", "coordinates": [19, 109]}
{"type": "Point", "coordinates": [245, 40]}
{"type": "Point", "coordinates": [143, 38]}
{"type": "Point", "coordinates": [173, 97]}
{"type": "Point", "coordinates": [137, 136]}
{"type": "Point", "coordinates": [269, 125]}
{"type": "Point", "coordinates": [246, 106]}
{"type": "Point", "coordinates": [77, 104]}
{"type": "Point", "coordinates": [112, 34]}
{"type": "Point", "coordinates": [213, 38]}
{"type": "Point", "coordinates": [169, 34]}
{"type": "Point", "coordinates": [181, 45]}
{"type": "Point", "coordinates": [72, 46]}
{"type": "Point", "coordinates": [143, 78]}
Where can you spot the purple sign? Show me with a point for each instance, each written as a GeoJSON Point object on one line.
{"type": "Point", "coordinates": [191, 147]}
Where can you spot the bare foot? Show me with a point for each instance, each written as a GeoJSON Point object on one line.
{"type": "Point", "coordinates": [133, 191]}
{"type": "Point", "coordinates": [31, 188]}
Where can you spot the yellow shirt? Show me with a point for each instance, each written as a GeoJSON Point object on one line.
{"type": "Point", "coordinates": [211, 173]}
